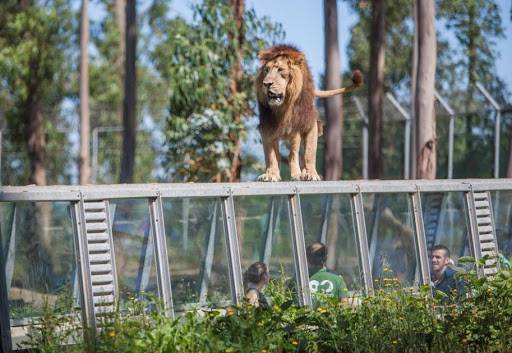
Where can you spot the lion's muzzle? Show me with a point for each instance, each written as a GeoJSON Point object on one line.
{"type": "Point", "coordinates": [274, 99]}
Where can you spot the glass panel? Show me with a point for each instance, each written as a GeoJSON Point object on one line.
{"type": "Point", "coordinates": [444, 218]}
{"type": "Point", "coordinates": [391, 240]}
{"type": "Point", "coordinates": [196, 243]}
{"type": "Point", "coordinates": [502, 212]}
{"type": "Point", "coordinates": [6, 214]}
{"type": "Point", "coordinates": [264, 234]}
{"type": "Point", "coordinates": [133, 247]}
{"type": "Point", "coordinates": [40, 266]}
{"type": "Point", "coordinates": [328, 219]}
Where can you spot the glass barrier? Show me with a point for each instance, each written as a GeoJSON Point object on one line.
{"type": "Point", "coordinates": [502, 212]}
{"type": "Point", "coordinates": [37, 242]}
{"type": "Point", "coordinates": [391, 240]}
{"type": "Point", "coordinates": [452, 229]}
{"type": "Point", "coordinates": [328, 219]}
{"type": "Point", "coordinates": [264, 234]}
{"type": "Point", "coordinates": [133, 248]}
{"type": "Point", "coordinates": [196, 245]}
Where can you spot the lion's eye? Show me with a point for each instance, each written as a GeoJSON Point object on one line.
{"type": "Point", "coordinates": [266, 69]}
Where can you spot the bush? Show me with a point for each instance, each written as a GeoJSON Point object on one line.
{"type": "Point", "coordinates": [394, 321]}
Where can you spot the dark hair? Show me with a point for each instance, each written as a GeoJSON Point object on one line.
{"type": "Point", "coordinates": [441, 247]}
{"type": "Point", "coordinates": [255, 272]}
{"type": "Point", "coordinates": [317, 254]}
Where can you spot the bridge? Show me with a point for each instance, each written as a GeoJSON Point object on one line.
{"type": "Point", "coordinates": [191, 243]}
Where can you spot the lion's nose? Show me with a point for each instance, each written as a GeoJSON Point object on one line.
{"type": "Point", "coordinates": [267, 83]}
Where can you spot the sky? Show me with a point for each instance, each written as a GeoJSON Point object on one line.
{"type": "Point", "coordinates": [302, 20]}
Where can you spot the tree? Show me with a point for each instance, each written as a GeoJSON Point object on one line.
{"type": "Point", "coordinates": [33, 44]}
{"type": "Point", "coordinates": [333, 165]}
{"type": "Point", "coordinates": [237, 39]}
{"type": "Point", "coordinates": [196, 61]}
{"type": "Point", "coordinates": [130, 95]}
{"type": "Point", "coordinates": [85, 160]}
{"type": "Point", "coordinates": [414, 73]}
{"type": "Point", "coordinates": [34, 41]}
{"type": "Point", "coordinates": [475, 24]}
{"type": "Point", "coordinates": [424, 101]}
{"type": "Point", "coordinates": [376, 88]}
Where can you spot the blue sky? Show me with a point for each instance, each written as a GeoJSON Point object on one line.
{"type": "Point", "coordinates": [302, 21]}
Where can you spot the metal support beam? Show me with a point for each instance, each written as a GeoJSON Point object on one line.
{"type": "Point", "coordinates": [362, 241]}
{"type": "Point", "coordinates": [82, 265]}
{"type": "Point", "coordinates": [208, 262]}
{"type": "Point", "coordinates": [474, 241]}
{"type": "Point", "coordinates": [419, 232]}
{"type": "Point", "coordinates": [407, 134]}
{"type": "Point", "coordinates": [235, 267]}
{"type": "Point", "coordinates": [299, 250]}
{"type": "Point", "coordinates": [162, 259]}
{"type": "Point", "coordinates": [497, 128]}
{"type": "Point", "coordinates": [5, 325]}
{"type": "Point", "coordinates": [10, 255]}
{"type": "Point", "coordinates": [1, 155]}
{"type": "Point", "coordinates": [451, 131]}
{"type": "Point", "coordinates": [364, 123]}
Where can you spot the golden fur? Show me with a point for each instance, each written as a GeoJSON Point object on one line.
{"type": "Point", "coordinates": [286, 93]}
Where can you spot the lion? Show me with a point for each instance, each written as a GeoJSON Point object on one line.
{"type": "Point", "coordinates": [286, 93]}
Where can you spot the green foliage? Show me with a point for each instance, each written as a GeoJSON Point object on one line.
{"type": "Point", "coordinates": [195, 60]}
{"type": "Point", "coordinates": [35, 65]}
{"type": "Point", "coordinates": [395, 321]}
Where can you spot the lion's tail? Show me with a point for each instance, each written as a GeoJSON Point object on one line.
{"type": "Point", "coordinates": [357, 81]}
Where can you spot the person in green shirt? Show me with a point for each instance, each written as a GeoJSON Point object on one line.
{"type": "Point", "coordinates": [322, 280]}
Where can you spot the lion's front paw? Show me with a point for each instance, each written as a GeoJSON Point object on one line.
{"type": "Point", "coordinates": [310, 175]}
{"type": "Point", "coordinates": [268, 176]}
{"type": "Point", "coordinates": [296, 177]}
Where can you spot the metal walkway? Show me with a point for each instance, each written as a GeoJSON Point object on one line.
{"type": "Point", "coordinates": [92, 231]}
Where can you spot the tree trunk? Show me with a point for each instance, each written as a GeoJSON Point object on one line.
{"type": "Point", "coordinates": [509, 164]}
{"type": "Point", "coordinates": [424, 104]}
{"type": "Point", "coordinates": [333, 157]}
{"type": "Point", "coordinates": [34, 135]}
{"type": "Point", "coordinates": [376, 88]}
{"type": "Point", "coordinates": [120, 14]}
{"type": "Point", "coordinates": [85, 160]}
{"type": "Point", "coordinates": [414, 73]}
{"type": "Point", "coordinates": [130, 96]}
{"type": "Point", "coordinates": [236, 77]}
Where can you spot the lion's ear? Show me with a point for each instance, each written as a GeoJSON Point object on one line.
{"type": "Point", "coordinates": [297, 58]}
{"type": "Point", "coordinates": [265, 55]}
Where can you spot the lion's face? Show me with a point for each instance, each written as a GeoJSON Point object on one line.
{"type": "Point", "coordinates": [275, 81]}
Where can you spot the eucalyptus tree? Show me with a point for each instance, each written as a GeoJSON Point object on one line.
{"type": "Point", "coordinates": [333, 159]}
{"type": "Point", "coordinates": [196, 60]}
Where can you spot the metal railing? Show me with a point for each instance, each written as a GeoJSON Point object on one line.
{"type": "Point", "coordinates": [225, 193]}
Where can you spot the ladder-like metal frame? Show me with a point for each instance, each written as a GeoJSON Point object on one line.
{"type": "Point", "coordinates": [478, 211]}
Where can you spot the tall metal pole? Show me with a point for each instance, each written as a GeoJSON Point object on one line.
{"type": "Point", "coordinates": [497, 128]}
{"type": "Point", "coordinates": [451, 129]}
{"type": "Point", "coordinates": [364, 120]}
{"type": "Point", "coordinates": [407, 133]}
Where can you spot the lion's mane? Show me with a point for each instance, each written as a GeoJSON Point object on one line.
{"type": "Point", "coordinates": [298, 112]}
